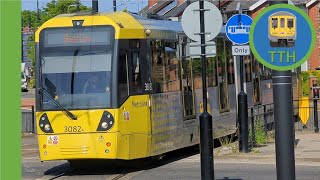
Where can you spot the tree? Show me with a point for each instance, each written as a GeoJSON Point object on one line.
{"type": "Point", "coordinates": [52, 9]}
{"type": "Point", "coordinates": [29, 18]}
{"type": "Point", "coordinates": [55, 8]}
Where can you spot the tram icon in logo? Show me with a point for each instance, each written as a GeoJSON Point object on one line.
{"type": "Point", "coordinates": [240, 29]}
{"type": "Point", "coordinates": [282, 29]}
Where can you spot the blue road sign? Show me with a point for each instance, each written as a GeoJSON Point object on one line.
{"type": "Point", "coordinates": [238, 28]}
{"type": "Point", "coordinates": [282, 37]}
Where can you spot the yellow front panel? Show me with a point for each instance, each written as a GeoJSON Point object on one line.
{"type": "Point", "coordinates": [134, 115]}
{"type": "Point", "coordinates": [87, 121]}
{"type": "Point", "coordinates": [130, 136]}
{"type": "Point", "coordinates": [78, 146]}
{"type": "Point", "coordinates": [134, 120]}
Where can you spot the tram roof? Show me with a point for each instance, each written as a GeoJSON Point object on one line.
{"type": "Point", "coordinates": [154, 24]}
{"type": "Point", "coordinates": [159, 28]}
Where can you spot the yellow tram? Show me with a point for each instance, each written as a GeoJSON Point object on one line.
{"type": "Point", "coordinates": [282, 29]}
{"type": "Point", "coordinates": [96, 96]}
{"type": "Point", "coordinates": [121, 86]}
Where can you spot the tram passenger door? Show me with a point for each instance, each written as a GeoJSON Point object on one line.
{"type": "Point", "coordinates": [187, 81]}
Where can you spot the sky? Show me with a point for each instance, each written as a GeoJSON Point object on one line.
{"type": "Point", "coordinates": [104, 5]}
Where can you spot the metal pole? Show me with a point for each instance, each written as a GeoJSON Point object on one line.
{"type": "Point", "coordinates": [38, 14]}
{"type": "Point", "coordinates": [206, 139]}
{"type": "Point", "coordinates": [95, 6]}
{"type": "Point", "coordinates": [188, 2]}
{"type": "Point", "coordinates": [283, 118]}
{"type": "Point", "coordinates": [114, 6]}
{"type": "Point", "coordinates": [243, 114]}
{"type": "Point", "coordinates": [315, 111]}
{"type": "Point", "coordinates": [32, 120]}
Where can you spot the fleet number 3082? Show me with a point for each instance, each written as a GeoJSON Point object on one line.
{"type": "Point", "coordinates": [73, 129]}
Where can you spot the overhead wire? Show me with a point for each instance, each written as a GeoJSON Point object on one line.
{"type": "Point", "coordinates": [123, 3]}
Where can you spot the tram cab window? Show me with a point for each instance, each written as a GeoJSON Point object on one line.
{"type": "Point", "coordinates": [135, 73]}
{"type": "Point", "coordinates": [122, 77]}
{"type": "Point", "coordinates": [290, 23]}
{"type": "Point", "coordinates": [282, 20]}
{"type": "Point", "coordinates": [274, 22]}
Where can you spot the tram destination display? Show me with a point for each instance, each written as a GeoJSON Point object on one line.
{"type": "Point", "coordinates": [59, 37]}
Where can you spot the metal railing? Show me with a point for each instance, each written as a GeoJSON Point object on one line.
{"type": "Point", "coordinates": [28, 120]}
{"type": "Point", "coordinates": [262, 113]}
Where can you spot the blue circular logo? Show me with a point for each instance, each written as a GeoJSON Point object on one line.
{"type": "Point", "coordinates": [238, 28]}
{"type": "Point", "coordinates": [282, 37]}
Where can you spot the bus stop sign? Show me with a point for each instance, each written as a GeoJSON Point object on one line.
{"type": "Point", "coordinates": [282, 37]}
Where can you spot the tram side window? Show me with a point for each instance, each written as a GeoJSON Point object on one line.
{"type": "Point", "coordinates": [197, 72]}
{"type": "Point", "coordinates": [171, 67]}
{"type": "Point", "coordinates": [223, 85]}
{"type": "Point", "coordinates": [222, 75]}
{"type": "Point", "coordinates": [158, 66]}
{"type": "Point", "coordinates": [211, 72]}
{"type": "Point", "coordinates": [247, 65]}
{"type": "Point", "coordinates": [230, 65]}
{"type": "Point", "coordinates": [122, 77]}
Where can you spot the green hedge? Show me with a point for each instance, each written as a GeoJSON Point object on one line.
{"type": "Point", "coordinates": [304, 80]}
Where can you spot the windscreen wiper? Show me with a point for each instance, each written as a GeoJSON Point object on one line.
{"type": "Point", "coordinates": [46, 92]}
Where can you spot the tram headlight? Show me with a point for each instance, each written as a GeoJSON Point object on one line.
{"type": "Point", "coordinates": [47, 127]}
{"type": "Point", "coordinates": [106, 122]}
{"type": "Point", "coordinates": [44, 124]}
{"type": "Point", "coordinates": [104, 125]}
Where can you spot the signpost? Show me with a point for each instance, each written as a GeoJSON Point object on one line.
{"type": "Point", "coordinates": [282, 38]}
{"type": "Point", "coordinates": [237, 31]}
{"type": "Point", "coordinates": [208, 28]}
{"type": "Point", "coordinates": [315, 95]}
